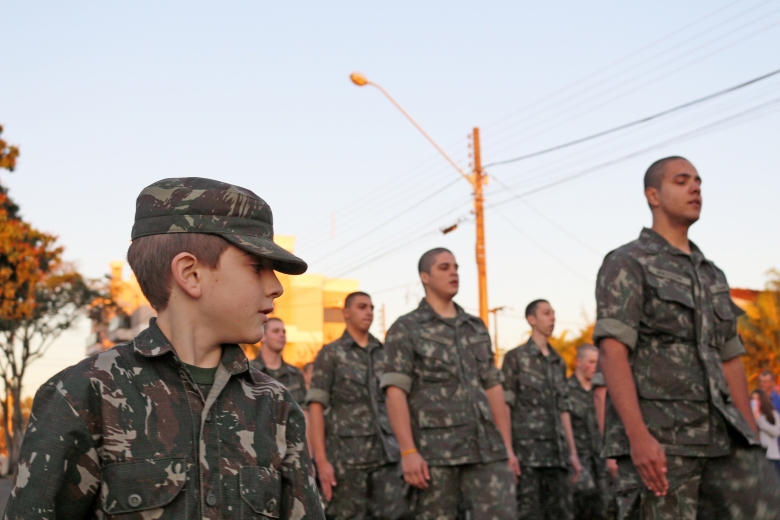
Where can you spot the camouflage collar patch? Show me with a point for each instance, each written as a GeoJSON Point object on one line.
{"type": "Point", "coordinates": [655, 243]}
{"type": "Point", "coordinates": [347, 340]}
{"type": "Point", "coordinates": [669, 275]}
{"type": "Point", "coordinates": [425, 312]}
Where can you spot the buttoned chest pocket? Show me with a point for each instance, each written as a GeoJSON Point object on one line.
{"type": "Point", "coordinates": [261, 493]}
{"type": "Point", "coordinates": [724, 317]}
{"type": "Point", "coordinates": [670, 304]}
{"type": "Point", "coordinates": [145, 489]}
{"type": "Point", "coordinates": [351, 383]}
{"type": "Point", "coordinates": [436, 359]}
{"type": "Point", "coordinates": [531, 388]}
{"type": "Point", "coordinates": [482, 355]}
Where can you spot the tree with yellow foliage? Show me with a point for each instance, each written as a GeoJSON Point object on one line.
{"type": "Point", "coordinates": [760, 330]}
{"type": "Point", "coordinates": [567, 348]}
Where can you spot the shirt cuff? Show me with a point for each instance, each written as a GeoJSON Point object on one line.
{"type": "Point", "coordinates": [510, 397]}
{"type": "Point", "coordinates": [612, 328]}
{"type": "Point", "coordinates": [598, 380]}
{"type": "Point", "coordinates": [318, 395]}
{"type": "Point", "coordinates": [402, 381]}
{"type": "Point", "coordinates": [732, 348]}
{"type": "Point", "coordinates": [494, 377]}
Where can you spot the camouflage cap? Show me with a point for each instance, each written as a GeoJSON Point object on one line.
{"type": "Point", "coordinates": [197, 205]}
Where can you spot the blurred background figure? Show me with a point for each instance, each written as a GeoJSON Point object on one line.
{"type": "Point", "coordinates": [768, 421]}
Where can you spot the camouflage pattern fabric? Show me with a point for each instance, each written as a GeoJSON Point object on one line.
{"type": "Point", "coordinates": [591, 491]}
{"type": "Point", "coordinates": [536, 390]}
{"type": "Point", "coordinates": [359, 441]}
{"type": "Point", "coordinates": [197, 205]}
{"type": "Point", "coordinates": [444, 366]}
{"type": "Point", "coordinates": [544, 494]}
{"type": "Point", "coordinates": [739, 486]}
{"type": "Point", "coordinates": [291, 377]}
{"type": "Point", "coordinates": [369, 494]}
{"type": "Point", "coordinates": [467, 492]}
{"type": "Point", "coordinates": [674, 312]}
{"type": "Point", "coordinates": [127, 434]}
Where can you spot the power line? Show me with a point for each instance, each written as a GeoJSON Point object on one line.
{"type": "Point", "coordinates": [637, 153]}
{"type": "Point", "coordinates": [637, 122]}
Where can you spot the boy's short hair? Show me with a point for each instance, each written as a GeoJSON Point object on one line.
{"type": "Point", "coordinates": [530, 310]}
{"type": "Point", "coordinates": [428, 259]}
{"type": "Point", "coordinates": [351, 297]}
{"type": "Point", "coordinates": [150, 259]}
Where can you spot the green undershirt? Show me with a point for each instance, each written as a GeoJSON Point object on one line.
{"type": "Point", "coordinates": [203, 377]}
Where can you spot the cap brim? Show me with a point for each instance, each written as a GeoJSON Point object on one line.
{"type": "Point", "coordinates": [283, 261]}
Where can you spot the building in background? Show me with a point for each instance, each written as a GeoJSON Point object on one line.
{"type": "Point", "coordinates": [310, 309]}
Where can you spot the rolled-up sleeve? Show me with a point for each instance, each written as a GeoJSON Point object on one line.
{"type": "Point", "coordinates": [322, 378]}
{"type": "Point", "coordinates": [399, 353]}
{"type": "Point", "coordinates": [732, 348]}
{"type": "Point", "coordinates": [618, 300]}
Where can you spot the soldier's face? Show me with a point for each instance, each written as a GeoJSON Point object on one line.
{"type": "Point", "coordinates": [275, 336]}
{"type": "Point", "coordinates": [237, 297]}
{"type": "Point", "coordinates": [680, 194]}
{"type": "Point", "coordinates": [588, 363]}
{"type": "Point", "coordinates": [443, 278]}
{"type": "Point", "coordinates": [544, 319]}
{"type": "Point", "coordinates": [360, 313]}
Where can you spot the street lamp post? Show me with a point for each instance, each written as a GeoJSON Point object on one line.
{"type": "Point", "coordinates": [477, 179]}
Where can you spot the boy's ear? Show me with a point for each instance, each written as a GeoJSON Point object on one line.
{"type": "Point", "coordinates": [186, 274]}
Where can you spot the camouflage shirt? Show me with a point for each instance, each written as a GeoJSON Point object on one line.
{"type": "Point", "coordinates": [674, 313]}
{"type": "Point", "coordinates": [535, 388]}
{"type": "Point", "coordinates": [126, 433]}
{"type": "Point", "coordinates": [445, 365]}
{"type": "Point", "coordinates": [290, 376]}
{"type": "Point", "coordinates": [587, 437]}
{"type": "Point", "coordinates": [346, 380]}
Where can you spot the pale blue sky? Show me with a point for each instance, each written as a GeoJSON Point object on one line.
{"type": "Point", "coordinates": [105, 98]}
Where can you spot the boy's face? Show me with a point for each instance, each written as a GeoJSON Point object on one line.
{"type": "Point", "coordinates": [238, 296]}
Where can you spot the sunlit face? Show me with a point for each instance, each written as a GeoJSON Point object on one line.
{"type": "Point", "coordinates": [275, 336]}
{"type": "Point", "coordinates": [238, 295]}
{"type": "Point", "coordinates": [443, 280]}
{"type": "Point", "coordinates": [679, 197]}
{"type": "Point", "coordinates": [767, 384]}
{"type": "Point", "coordinates": [543, 320]}
{"type": "Point", "coordinates": [587, 364]}
{"type": "Point", "coordinates": [360, 313]}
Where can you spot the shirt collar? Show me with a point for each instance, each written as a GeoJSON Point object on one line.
{"type": "Point", "coordinates": [348, 340]}
{"type": "Point", "coordinates": [426, 313]}
{"type": "Point", "coordinates": [152, 343]}
{"type": "Point", "coordinates": [535, 350]}
{"type": "Point", "coordinates": [655, 243]}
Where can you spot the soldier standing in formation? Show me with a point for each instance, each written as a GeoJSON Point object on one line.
{"type": "Point", "coordinates": [591, 489]}
{"type": "Point", "coordinates": [175, 425]}
{"type": "Point", "coordinates": [446, 404]}
{"type": "Point", "coordinates": [270, 362]}
{"type": "Point", "coordinates": [537, 393]}
{"type": "Point", "coordinates": [678, 416]}
{"type": "Point", "coordinates": [354, 448]}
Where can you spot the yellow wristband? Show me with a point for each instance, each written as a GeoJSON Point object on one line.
{"type": "Point", "coordinates": [408, 452]}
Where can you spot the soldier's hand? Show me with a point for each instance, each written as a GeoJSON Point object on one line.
{"type": "Point", "coordinates": [327, 478]}
{"type": "Point", "coordinates": [650, 461]}
{"type": "Point", "coordinates": [576, 466]}
{"type": "Point", "coordinates": [612, 468]}
{"type": "Point", "coordinates": [514, 464]}
{"type": "Point", "coordinates": [415, 470]}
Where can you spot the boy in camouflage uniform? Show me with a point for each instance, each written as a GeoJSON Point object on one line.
{"type": "Point", "coordinates": [444, 398]}
{"type": "Point", "coordinates": [678, 415]}
{"type": "Point", "coordinates": [591, 489]}
{"type": "Point", "coordinates": [536, 391]}
{"type": "Point", "coordinates": [354, 447]}
{"type": "Point", "coordinates": [175, 424]}
{"type": "Point", "coordinates": [274, 341]}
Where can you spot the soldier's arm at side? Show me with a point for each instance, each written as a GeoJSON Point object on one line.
{"type": "Point", "coordinates": [414, 466]}
{"type": "Point", "coordinates": [501, 416]}
{"type": "Point", "coordinates": [646, 453]}
{"type": "Point", "coordinates": [317, 399]}
{"type": "Point", "coordinates": [58, 474]}
{"type": "Point", "coordinates": [300, 499]}
{"type": "Point", "coordinates": [735, 377]}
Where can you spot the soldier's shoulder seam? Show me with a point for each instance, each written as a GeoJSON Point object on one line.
{"type": "Point", "coordinates": [265, 379]}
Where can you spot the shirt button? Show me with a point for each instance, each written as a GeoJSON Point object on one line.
{"type": "Point", "coordinates": [134, 500]}
{"type": "Point", "coordinates": [208, 418]}
{"type": "Point", "coordinates": [211, 500]}
{"type": "Point", "coordinates": [271, 505]}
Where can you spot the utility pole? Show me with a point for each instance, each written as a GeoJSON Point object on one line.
{"type": "Point", "coordinates": [494, 312]}
{"type": "Point", "coordinates": [478, 180]}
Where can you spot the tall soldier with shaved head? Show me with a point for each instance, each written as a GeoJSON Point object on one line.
{"type": "Point", "coordinates": [354, 448]}
{"type": "Point", "coordinates": [446, 404]}
{"type": "Point", "coordinates": [678, 416]}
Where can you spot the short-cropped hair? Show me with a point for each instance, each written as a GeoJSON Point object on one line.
{"type": "Point", "coordinates": [150, 259]}
{"type": "Point", "coordinates": [655, 173]}
{"type": "Point", "coordinates": [768, 373]}
{"type": "Point", "coordinates": [584, 349]}
{"type": "Point", "coordinates": [530, 310]}
{"type": "Point", "coordinates": [351, 297]}
{"type": "Point", "coordinates": [429, 258]}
